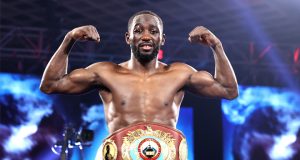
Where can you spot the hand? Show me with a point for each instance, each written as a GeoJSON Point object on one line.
{"type": "Point", "coordinates": [85, 33]}
{"type": "Point", "coordinates": [202, 35]}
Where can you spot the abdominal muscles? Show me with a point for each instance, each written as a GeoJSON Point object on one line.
{"type": "Point", "coordinates": [140, 108]}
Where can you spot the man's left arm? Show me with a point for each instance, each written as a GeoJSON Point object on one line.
{"type": "Point", "coordinates": [224, 83]}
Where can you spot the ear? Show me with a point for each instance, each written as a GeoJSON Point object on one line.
{"type": "Point", "coordinates": [163, 39]}
{"type": "Point", "coordinates": [127, 37]}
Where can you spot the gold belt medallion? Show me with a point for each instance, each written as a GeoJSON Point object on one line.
{"type": "Point", "coordinates": [109, 150]}
{"type": "Point", "coordinates": [148, 145]}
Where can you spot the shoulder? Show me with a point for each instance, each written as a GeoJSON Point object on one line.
{"type": "Point", "coordinates": [181, 66]}
{"type": "Point", "coordinates": [189, 69]}
{"type": "Point", "coordinates": [102, 65]}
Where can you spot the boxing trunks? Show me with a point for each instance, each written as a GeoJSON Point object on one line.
{"type": "Point", "coordinates": [144, 141]}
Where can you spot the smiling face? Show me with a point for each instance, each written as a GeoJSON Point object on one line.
{"type": "Point", "coordinates": [145, 37]}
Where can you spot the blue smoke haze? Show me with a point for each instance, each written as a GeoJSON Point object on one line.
{"type": "Point", "coordinates": [31, 106]}
{"type": "Point", "coordinates": [94, 117]}
{"type": "Point", "coordinates": [251, 98]}
{"type": "Point", "coordinates": [278, 108]}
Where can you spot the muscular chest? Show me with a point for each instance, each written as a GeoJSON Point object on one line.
{"type": "Point", "coordinates": [160, 88]}
{"type": "Point", "coordinates": [146, 85]}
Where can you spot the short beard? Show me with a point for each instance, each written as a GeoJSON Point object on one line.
{"type": "Point", "coordinates": [144, 58]}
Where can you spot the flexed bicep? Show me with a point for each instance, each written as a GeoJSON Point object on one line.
{"type": "Point", "coordinates": [224, 83]}
{"type": "Point", "coordinates": [55, 77]}
{"type": "Point", "coordinates": [203, 83]}
{"type": "Point", "coordinates": [76, 82]}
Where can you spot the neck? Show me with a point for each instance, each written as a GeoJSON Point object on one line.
{"type": "Point", "coordinates": [143, 67]}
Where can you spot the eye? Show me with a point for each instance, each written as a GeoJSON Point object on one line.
{"type": "Point", "coordinates": [137, 30]}
{"type": "Point", "coordinates": [154, 31]}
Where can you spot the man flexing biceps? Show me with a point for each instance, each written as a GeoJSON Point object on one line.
{"type": "Point", "coordinates": [141, 96]}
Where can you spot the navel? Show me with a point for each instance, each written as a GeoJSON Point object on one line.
{"type": "Point", "coordinates": [123, 103]}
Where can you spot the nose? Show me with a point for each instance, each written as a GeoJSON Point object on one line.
{"type": "Point", "coordinates": [146, 37]}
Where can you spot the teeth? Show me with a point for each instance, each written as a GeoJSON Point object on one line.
{"type": "Point", "coordinates": [146, 47]}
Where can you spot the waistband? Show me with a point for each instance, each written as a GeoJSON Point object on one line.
{"type": "Point", "coordinates": [144, 141]}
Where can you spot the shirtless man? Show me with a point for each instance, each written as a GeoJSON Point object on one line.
{"type": "Point", "coordinates": [141, 93]}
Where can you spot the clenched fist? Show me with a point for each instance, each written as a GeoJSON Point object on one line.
{"type": "Point", "coordinates": [85, 33]}
{"type": "Point", "coordinates": [202, 35]}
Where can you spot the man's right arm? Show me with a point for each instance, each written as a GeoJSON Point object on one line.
{"type": "Point", "coordinates": [56, 79]}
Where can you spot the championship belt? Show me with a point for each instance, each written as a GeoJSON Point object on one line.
{"type": "Point", "coordinates": [144, 141]}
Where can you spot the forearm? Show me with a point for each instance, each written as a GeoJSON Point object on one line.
{"type": "Point", "coordinates": [57, 66]}
{"type": "Point", "coordinates": [224, 73]}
